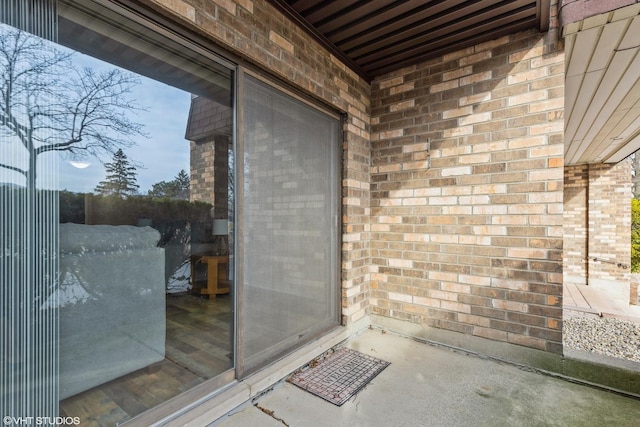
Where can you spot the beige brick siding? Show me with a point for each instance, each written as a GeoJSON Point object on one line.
{"type": "Point", "coordinates": [597, 222]}
{"type": "Point", "coordinates": [258, 33]}
{"type": "Point", "coordinates": [202, 172]}
{"type": "Point", "coordinates": [221, 179]}
{"type": "Point", "coordinates": [575, 225]}
{"type": "Point", "coordinates": [209, 131]}
{"type": "Point", "coordinates": [610, 219]}
{"type": "Point", "coordinates": [467, 168]}
{"type": "Point", "coordinates": [452, 175]}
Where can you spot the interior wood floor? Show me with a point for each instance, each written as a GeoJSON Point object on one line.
{"type": "Point", "coordinates": [198, 347]}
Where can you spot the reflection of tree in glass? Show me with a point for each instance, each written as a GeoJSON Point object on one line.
{"type": "Point", "coordinates": [176, 189]}
{"type": "Point", "coordinates": [121, 177]}
{"type": "Point", "coordinates": [48, 104]}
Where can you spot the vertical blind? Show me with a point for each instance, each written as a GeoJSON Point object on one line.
{"type": "Point", "coordinates": [28, 217]}
{"type": "Point", "coordinates": [37, 17]}
{"type": "Point", "coordinates": [289, 236]}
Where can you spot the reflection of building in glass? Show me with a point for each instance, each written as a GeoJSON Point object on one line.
{"type": "Point", "coordinates": [209, 132]}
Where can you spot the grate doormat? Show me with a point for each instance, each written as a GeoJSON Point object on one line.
{"type": "Point", "coordinates": [338, 376]}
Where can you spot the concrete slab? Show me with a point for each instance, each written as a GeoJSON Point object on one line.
{"type": "Point", "coordinates": [434, 386]}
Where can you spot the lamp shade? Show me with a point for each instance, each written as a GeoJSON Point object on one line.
{"type": "Point", "coordinates": [220, 227]}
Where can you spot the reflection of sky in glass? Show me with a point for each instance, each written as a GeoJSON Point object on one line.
{"type": "Point", "coordinates": [159, 157]}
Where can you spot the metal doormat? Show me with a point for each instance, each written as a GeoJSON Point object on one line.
{"type": "Point", "coordinates": [338, 376]}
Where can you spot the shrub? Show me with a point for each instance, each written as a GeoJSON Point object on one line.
{"type": "Point", "coordinates": [635, 236]}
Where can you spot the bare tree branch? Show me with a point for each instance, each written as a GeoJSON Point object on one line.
{"type": "Point", "coordinates": [61, 146]}
{"type": "Point", "coordinates": [13, 168]}
{"type": "Point", "coordinates": [49, 105]}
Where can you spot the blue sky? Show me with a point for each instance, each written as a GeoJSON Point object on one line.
{"type": "Point", "coordinates": [162, 155]}
{"type": "Point", "coordinates": [159, 157]}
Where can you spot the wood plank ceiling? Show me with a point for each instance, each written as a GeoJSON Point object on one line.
{"type": "Point", "coordinates": [375, 37]}
{"type": "Point", "coordinates": [602, 91]}
{"type": "Point", "coordinates": [602, 101]}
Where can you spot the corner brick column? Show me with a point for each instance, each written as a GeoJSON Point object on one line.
{"type": "Point", "coordinates": [575, 223]}
{"type": "Point", "coordinates": [202, 171]}
{"type": "Point", "coordinates": [221, 177]}
{"type": "Point", "coordinates": [597, 222]}
{"type": "Point", "coordinates": [610, 220]}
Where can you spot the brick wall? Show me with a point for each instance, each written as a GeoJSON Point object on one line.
{"type": "Point", "coordinates": [467, 168]}
{"type": "Point", "coordinates": [575, 225]}
{"type": "Point", "coordinates": [221, 177]}
{"type": "Point", "coordinates": [209, 129]}
{"type": "Point", "coordinates": [287, 210]}
{"type": "Point", "coordinates": [610, 220]}
{"type": "Point", "coordinates": [202, 172]}
{"type": "Point", "coordinates": [258, 33]}
{"type": "Point", "coordinates": [597, 222]}
{"type": "Point", "coordinates": [463, 230]}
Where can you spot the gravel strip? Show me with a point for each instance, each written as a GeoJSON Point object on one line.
{"type": "Point", "coordinates": [609, 336]}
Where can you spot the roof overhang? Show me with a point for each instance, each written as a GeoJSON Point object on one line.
{"type": "Point", "coordinates": [602, 91]}
{"type": "Point", "coordinates": [381, 36]}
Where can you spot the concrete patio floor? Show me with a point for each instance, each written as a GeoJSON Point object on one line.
{"type": "Point", "coordinates": [427, 385]}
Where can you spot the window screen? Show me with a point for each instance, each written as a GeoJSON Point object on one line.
{"type": "Point", "coordinates": [290, 196]}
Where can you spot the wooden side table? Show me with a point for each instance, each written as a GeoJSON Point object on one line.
{"type": "Point", "coordinates": [217, 282]}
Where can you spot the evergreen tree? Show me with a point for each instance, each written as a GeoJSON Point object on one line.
{"type": "Point", "coordinates": [176, 189]}
{"type": "Point", "coordinates": [183, 183]}
{"type": "Point", "coordinates": [121, 177]}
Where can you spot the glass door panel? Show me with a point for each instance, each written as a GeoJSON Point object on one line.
{"type": "Point", "coordinates": [290, 204]}
{"type": "Point", "coordinates": [116, 193]}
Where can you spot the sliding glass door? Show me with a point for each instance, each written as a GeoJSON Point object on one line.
{"type": "Point", "coordinates": [116, 214]}
{"type": "Point", "coordinates": [288, 223]}
{"type": "Point", "coordinates": [158, 238]}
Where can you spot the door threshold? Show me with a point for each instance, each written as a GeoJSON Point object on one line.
{"type": "Point", "coordinates": [221, 401]}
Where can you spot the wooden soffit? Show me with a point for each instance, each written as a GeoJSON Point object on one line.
{"type": "Point", "coordinates": [376, 37]}
{"type": "Point", "coordinates": [602, 88]}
